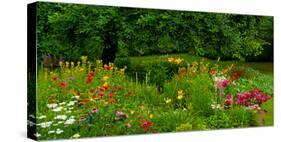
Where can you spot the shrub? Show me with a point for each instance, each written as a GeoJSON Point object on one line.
{"type": "Point", "coordinates": [219, 120]}
{"type": "Point", "coordinates": [122, 62]}
{"type": "Point", "coordinates": [240, 117]}
{"type": "Point", "coordinates": [200, 91]}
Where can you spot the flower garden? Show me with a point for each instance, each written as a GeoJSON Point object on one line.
{"type": "Point", "coordinates": [97, 70]}
{"type": "Point", "coordinates": [86, 98]}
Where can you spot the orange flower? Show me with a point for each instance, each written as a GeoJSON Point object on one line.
{"type": "Point", "coordinates": [91, 74]}
{"type": "Point", "coordinates": [89, 79]}
{"type": "Point", "coordinates": [63, 84]}
{"type": "Point", "coordinates": [107, 67]}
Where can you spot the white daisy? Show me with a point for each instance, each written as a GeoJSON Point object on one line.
{"type": "Point", "coordinates": [59, 131]}
{"type": "Point", "coordinates": [62, 117]}
{"type": "Point", "coordinates": [71, 103]}
{"type": "Point", "coordinates": [45, 124]}
{"type": "Point", "coordinates": [57, 109]}
{"type": "Point", "coordinates": [52, 105]}
{"type": "Point", "coordinates": [42, 117]}
{"type": "Point", "coordinates": [75, 97]}
{"type": "Point", "coordinates": [51, 132]}
{"type": "Point", "coordinates": [62, 103]}
{"type": "Point", "coordinates": [69, 121]}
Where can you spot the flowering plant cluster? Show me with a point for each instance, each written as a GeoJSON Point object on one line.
{"type": "Point", "coordinates": [254, 97]}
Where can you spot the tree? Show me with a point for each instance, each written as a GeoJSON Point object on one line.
{"type": "Point", "coordinates": [103, 32]}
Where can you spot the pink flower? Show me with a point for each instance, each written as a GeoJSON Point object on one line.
{"type": "Point", "coordinates": [95, 110]}
{"type": "Point", "coordinates": [225, 83]}
{"type": "Point", "coordinates": [240, 99]}
{"type": "Point", "coordinates": [228, 100]}
{"type": "Point", "coordinates": [128, 125]}
{"type": "Point", "coordinates": [146, 125]}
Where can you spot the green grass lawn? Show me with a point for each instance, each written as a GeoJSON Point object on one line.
{"type": "Point", "coordinates": [263, 67]}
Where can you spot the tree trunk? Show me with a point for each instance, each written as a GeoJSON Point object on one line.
{"type": "Point", "coordinates": [110, 44]}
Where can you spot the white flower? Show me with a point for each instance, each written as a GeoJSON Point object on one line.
{"type": "Point", "coordinates": [57, 109]}
{"type": "Point", "coordinates": [71, 103]}
{"type": "Point", "coordinates": [68, 111]}
{"type": "Point", "coordinates": [62, 103]}
{"type": "Point", "coordinates": [60, 122]}
{"type": "Point", "coordinates": [70, 108]}
{"type": "Point", "coordinates": [52, 105]}
{"type": "Point", "coordinates": [45, 124]}
{"type": "Point", "coordinates": [37, 135]}
{"type": "Point", "coordinates": [42, 117]}
{"type": "Point", "coordinates": [75, 97]}
{"type": "Point", "coordinates": [219, 78]}
{"type": "Point", "coordinates": [72, 117]}
{"type": "Point", "coordinates": [62, 117]}
{"type": "Point", "coordinates": [59, 131]}
{"type": "Point", "coordinates": [216, 106]}
{"type": "Point", "coordinates": [69, 121]}
{"type": "Point", "coordinates": [51, 132]}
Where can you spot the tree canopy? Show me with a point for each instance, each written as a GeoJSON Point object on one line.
{"type": "Point", "coordinates": [104, 32]}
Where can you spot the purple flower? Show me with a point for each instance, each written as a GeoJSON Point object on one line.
{"type": "Point", "coordinates": [95, 110]}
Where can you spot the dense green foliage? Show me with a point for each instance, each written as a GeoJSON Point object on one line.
{"type": "Point", "coordinates": [70, 30]}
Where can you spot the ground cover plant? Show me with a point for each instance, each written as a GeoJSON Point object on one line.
{"type": "Point", "coordinates": [108, 71]}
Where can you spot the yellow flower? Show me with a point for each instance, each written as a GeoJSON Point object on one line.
{"type": "Point", "coordinates": [180, 97]}
{"type": "Point", "coordinates": [180, 92]}
{"type": "Point", "coordinates": [171, 60]}
{"type": "Point", "coordinates": [168, 101]}
{"type": "Point", "coordinates": [151, 116]}
{"type": "Point", "coordinates": [84, 59]}
{"type": "Point", "coordinates": [75, 136]}
{"type": "Point", "coordinates": [99, 61]}
{"type": "Point", "coordinates": [178, 60]}
{"type": "Point", "coordinates": [105, 78]}
{"type": "Point", "coordinates": [60, 63]}
{"type": "Point", "coordinates": [132, 112]}
{"type": "Point", "coordinates": [105, 84]}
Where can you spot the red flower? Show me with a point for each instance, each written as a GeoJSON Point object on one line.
{"type": "Point", "coordinates": [89, 79]}
{"type": "Point", "coordinates": [228, 100]}
{"type": "Point", "coordinates": [91, 74]}
{"type": "Point", "coordinates": [102, 89]}
{"type": "Point", "coordinates": [107, 67]}
{"type": "Point", "coordinates": [101, 94]}
{"type": "Point", "coordinates": [128, 94]}
{"type": "Point", "coordinates": [63, 84]}
{"type": "Point", "coordinates": [146, 125]}
{"type": "Point", "coordinates": [118, 87]}
{"type": "Point", "coordinates": [105, 86]}
{"type": "Point", "coordinates": [113, 90]}
{"type": "Point", "coordinates": [235, 75]}
{"type": "Point", "coordinates": [111, 95]}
